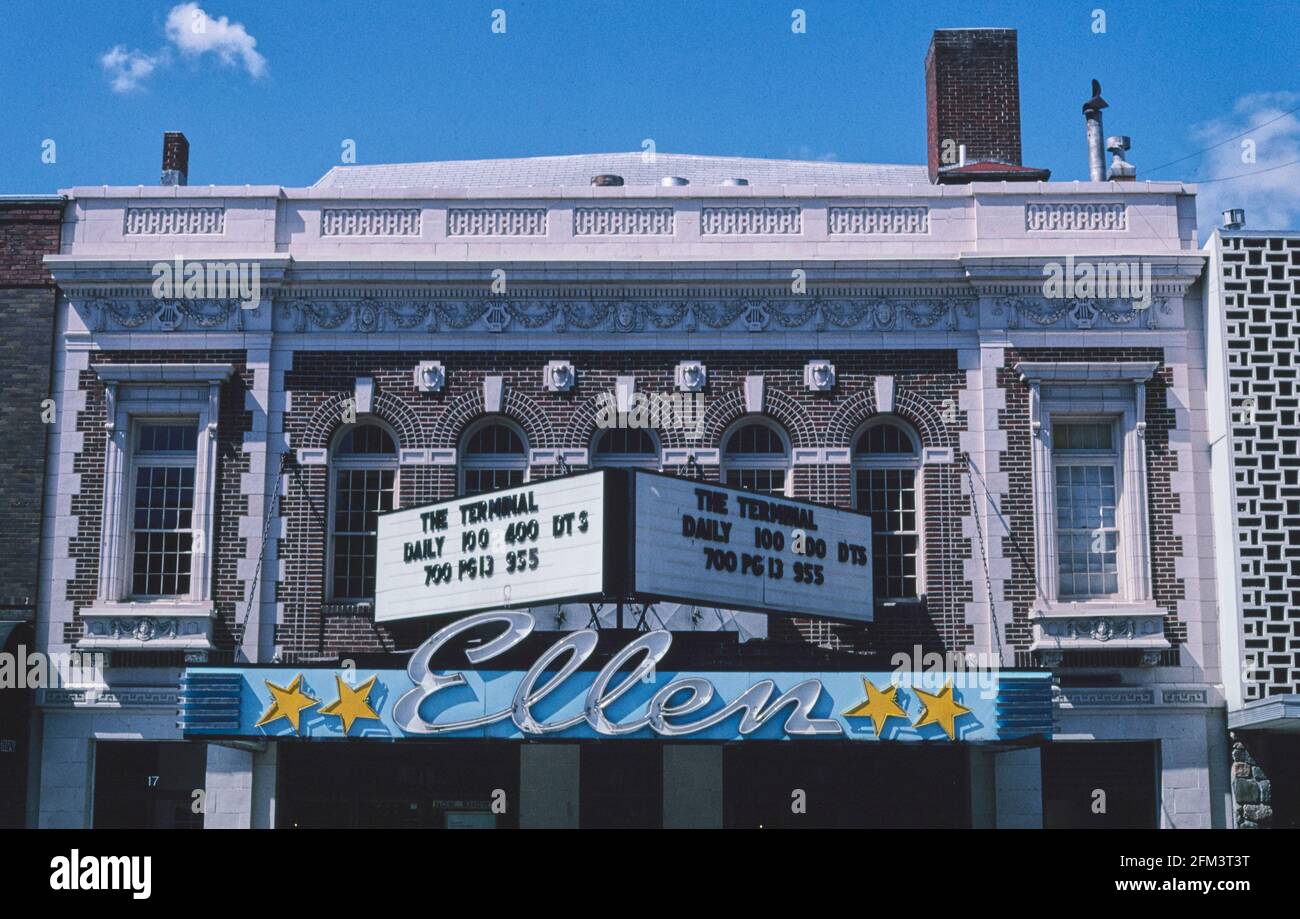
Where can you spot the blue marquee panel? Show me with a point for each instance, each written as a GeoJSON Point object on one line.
{"type": "Point", "coordinates": [981, 706]}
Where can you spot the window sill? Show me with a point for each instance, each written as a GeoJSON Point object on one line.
{"type": "Point", "coordinates": [1064, 609]}
{"type": "Point", "coordinates": [348, 607]}
{"type": "Point", "coordinates": [168, 608]}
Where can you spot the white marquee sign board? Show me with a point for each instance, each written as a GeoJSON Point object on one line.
{"type": "Point", "coordinates": [697, 542]}
{"type": "Point", "coordinates": [537, 543]}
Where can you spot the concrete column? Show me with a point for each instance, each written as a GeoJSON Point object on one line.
{"type": "Point", "coordinates": [228, 789]}
{"type": "Point", "coordinates": [983, 789]}
{"type": "Point", "coordinates": [67, 775]}
{"type": "Point", "coordinates": [548, 786]}
{"type": "Point", "coordinates": [692, 786]}
{"type": "Point", "coordinates": [266, 769]}
{"type": "Point", "coordinates": [240, 788]}
{"type": "Point", "coordinates": [1018, 787]}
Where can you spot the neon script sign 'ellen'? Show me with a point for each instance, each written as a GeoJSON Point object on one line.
{"type": "Point", "coordinates": [674, 710]}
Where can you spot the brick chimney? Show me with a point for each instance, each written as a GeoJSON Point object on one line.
{"type": "Point", "coordinates": [176, 159]}
{"type": "Point", "coordinates": [972, 101]}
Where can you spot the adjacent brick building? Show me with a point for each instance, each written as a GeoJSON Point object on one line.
{"type": "Point", "coordinates": [29, 230]}
{"type": "Point", "coordinates": [867, 336]}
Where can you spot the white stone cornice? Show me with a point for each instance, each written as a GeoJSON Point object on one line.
{"type": "Point", "coordinates": [1086, 371]}
{"type": "Point", "coordinates": [164, 373]}
{"type": "Point", "coordinates": [83, 276]}
{"type": "Point", "coordinates": [1011, 274]}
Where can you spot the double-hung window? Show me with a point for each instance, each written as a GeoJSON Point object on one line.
{"type": "Point", "coordinates": [364, 465]}
{"type": "Point", "coordinates": [154, 589]}
{"type": "Point", "coordinates": [1087, 472]}
{"type": "Point", "coordinates": [162, 516]}
{"type": "Point", "coordinates": [1091, 533]}
{"type": "Point", "coordinates": [886, 467]}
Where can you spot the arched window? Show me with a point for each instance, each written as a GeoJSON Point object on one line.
{"type": "Point", "coordinates": [886, 458]}
{"type": "Point", "coordinates": [363, 466]}
{"type": "Point", "coordinates": [756, 456]}
{"type": "Point", "coordinates": [625, 447]}
{"type": "Point", "coordinates": [494, 454]}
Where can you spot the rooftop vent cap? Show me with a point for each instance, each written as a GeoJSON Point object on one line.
{"type": "Point", "coordinates": [1121, 170]}
{"type": "Point", "coordinates": [607, 181]}
{"type": "Point", "coordinates": [1234, 218]}
{"type": "Point", "coordinates": [674, 180]}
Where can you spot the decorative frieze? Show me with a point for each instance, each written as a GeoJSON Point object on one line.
{"type": "Point", "coordinates": [494, 314]}
{"type": "Point", "coordinates": [175, 221]}
{"type": "Point", "coordinates": [751, 221]}
{"type": "Point", "coordinates": [1080, 313]}
{"type": "Point", "coordinates": [1076, 217]}
{"type": "Point", "coordinates": [877, 220]}
{"type": "Point", "coordinates": [148, 314]}
{"type": "Point", "coordinates": [496, 221]}
{"type": "Point", "coordinates": [107, 630]}
{"type": "Point", "coordinates": [1102, 629]}
{"type": "Point", "coordinates": [1105, 696]}
{"type": "Point", "coordinates": [370, 221]}
{"type": "Point", "coordinates": [623, 221]}
{"type": "Point", "coordinates": [144, 697]}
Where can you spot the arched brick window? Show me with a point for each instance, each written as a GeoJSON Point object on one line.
{"type": "Point", "coordinates": [625, 447]}
{"type": "Point", "coordinates": [363, 475]}
{"type": "Point", "coordinates": [494, 454]}
{"type": "Point", "coordinates": [886, 463]}
{"type": "Point", "coordinates": [756, 457]}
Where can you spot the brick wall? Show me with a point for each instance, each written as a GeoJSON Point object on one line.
{"type": "Point", "coordinates": [27, 301]}
{"type": "Point", "coordinates": [88, 504]}
{"type": "Point", "coordinates": [320, 382]}
{"type": "Point", "coordinates": [1162, 503]}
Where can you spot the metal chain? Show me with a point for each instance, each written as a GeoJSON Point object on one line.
{"type": "Point", "coordinates": [984, 561]}
{"type": "Point", "coordinates": [271, 510]}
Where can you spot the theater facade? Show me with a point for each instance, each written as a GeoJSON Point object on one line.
{"type": "Point", "coordinates": [632, 490]}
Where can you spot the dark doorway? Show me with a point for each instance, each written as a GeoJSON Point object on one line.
{"type": "Point", "coordinates": [621, 785]}
{"type": "Point", "coordinates": [452, 785]}
{"type": "Point", "coordinates": [1089, 785]}
{"type": "Point", "coordinates": [146, 785]}
{"type": "Point", "coordinates": [859, 785]}
{"type": "Point", "coordinates": [15, 738]}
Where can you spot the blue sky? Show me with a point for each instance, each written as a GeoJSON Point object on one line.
{"type": "Point", "coordinates": [270, 95]}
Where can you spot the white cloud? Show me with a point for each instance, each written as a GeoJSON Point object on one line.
{"type": "Point", "coordinates": [126, 70]}
{"type": "Point", "coordinates": [1271, 198]}
{"type": "Point", "coordinates": [193, 33]}
{"type": "Point", "coordinates": [807, 154]}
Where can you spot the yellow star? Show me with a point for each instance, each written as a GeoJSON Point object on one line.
{"type": "Point", "coordinates": [879, 707]}
{"type": "Point", "coordinates": [941, 709]}
{"type": "Point", "coordinates": [286, 703]}
{"type": "Point", "coordinates": [351, 703]}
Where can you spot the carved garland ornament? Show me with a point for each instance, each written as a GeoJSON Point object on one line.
{"type": "Point", "coordinates": [166, 314]}
{"type": "Point", "coordinates": [755, 315]}
{"type": "Point", "coordinates": [1082, 313]}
